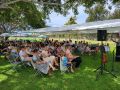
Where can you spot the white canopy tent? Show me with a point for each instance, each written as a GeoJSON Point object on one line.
{"type": "Point", "coordinates": [19, 35]}
{"type": "Point", "coordinates": [5, 34]}
{"type": "Point", "coordinates": [15, 34]}
{"type": "Point", "coordinates": [42, 30]}
{"type": "Point", "coordinates": [112, 26]}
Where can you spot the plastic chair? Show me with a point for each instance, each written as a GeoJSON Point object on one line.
{"type": "Point", "coordinates": [64, 66]}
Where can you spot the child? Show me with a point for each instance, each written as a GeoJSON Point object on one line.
{"type": "Point", "coordinates": [64, 64]}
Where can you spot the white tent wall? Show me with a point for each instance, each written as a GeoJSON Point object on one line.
{"type": "Point", "coordinates": [114, 30]}
{"type": "Point", "coordinates": [109, 30]}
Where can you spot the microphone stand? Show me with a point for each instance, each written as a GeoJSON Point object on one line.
{"type": "Point", "coordinates": [113, 60]}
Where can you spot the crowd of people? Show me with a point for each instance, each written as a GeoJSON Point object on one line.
{"type": "Point", "coordinates": [49, 55]}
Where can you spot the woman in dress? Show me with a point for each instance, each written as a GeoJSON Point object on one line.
{"type": "Point", "coordinates": [41, 65]}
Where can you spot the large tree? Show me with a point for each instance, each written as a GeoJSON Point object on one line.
{"type": "Point", "coordinates": [19, 15]}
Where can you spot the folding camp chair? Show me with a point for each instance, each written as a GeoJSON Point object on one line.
{"type": "Point", "coordinates": [37, 72]}
{"type": "Point", "coordinates": [24, 63]}
{"type": "Point", "coordinates": [1, 53]}
{"type": "Point", "coordinates": [64, 66]}
{"type": "Point", "coordinates": [14, 62]}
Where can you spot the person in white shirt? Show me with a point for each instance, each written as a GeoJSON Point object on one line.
{"type": "Point", "coordinates": [48, 57]}
{"type": "Point", "coordinates": [107, 48]}
{"type": "Point", "coordinates": [23, 55]}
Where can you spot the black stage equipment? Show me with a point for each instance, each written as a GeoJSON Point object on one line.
{"type": "Point", "coordinates": [117, 57]}
{"type": "Point", "coordinates": [102, 35]}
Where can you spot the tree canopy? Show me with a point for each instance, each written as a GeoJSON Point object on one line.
{"type": "Point", "coordinates": [96, 13]}
{"type": "Point", "coordinates": [100, 12]}
{"type": "Point", "coordinates": [72, 20]}
{"type": "Point", "coordinates": [115, 14]}
{"type": "Point", "coordinates": [59, 6]}
{"type": "Point", "coordinates": [21, 14]}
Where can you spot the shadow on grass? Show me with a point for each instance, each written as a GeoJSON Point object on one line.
{"type": "Point", "coordinates": [82, 79]}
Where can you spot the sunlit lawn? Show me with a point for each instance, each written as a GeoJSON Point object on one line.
{"type": "Point", "coordinates": [82, 79]}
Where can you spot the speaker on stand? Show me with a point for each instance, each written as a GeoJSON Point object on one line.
{"type": "Point", "coordinates": [113, 61]}
{"type": "Point", "coordinates": [102, 36]}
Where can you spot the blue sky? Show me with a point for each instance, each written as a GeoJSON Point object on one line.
{"type": "Point", "coordinates": [57, 20]}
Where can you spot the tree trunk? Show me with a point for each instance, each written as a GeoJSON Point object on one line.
{"type": "Point", "coordinates": [3, 28]}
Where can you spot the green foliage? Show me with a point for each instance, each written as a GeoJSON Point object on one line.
{"type": "Point", "coordinates": [31, 15]}
{"type": "Point", "coordinates": [115, 1]}
{"type": "Point", "coordinates": [71, 21]}
{"type": "Point", "coordinates": [52, 5]}
{"type": "Point", "coordinates": [115, 14]}
{"type": "Point", "coordinates": [98, 12]}
{"type": "Point", "coordinates": [62, 6]}
{"type": "Point", "coordinates": [21, 14]}
{"type": "Point", "coordinates": [5, 15]}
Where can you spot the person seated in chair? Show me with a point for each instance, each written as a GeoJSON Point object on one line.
{"type": "Point", "coordinates": [40, 64]}
{"type": "Point", "coordinates": [75, 59]}
{"type": "Point", "coordinates": [23, 55]}
{"type": "Point", "coordinates": [14, 52]}
{"type": "Point", "coordinates": [48, 57]}
{"type": "Point", "coordinates": [65, 64]}
{"type": "Point", "coordinates": [28, 51]}
{"type": "Point", "coordinates": [87, 50]}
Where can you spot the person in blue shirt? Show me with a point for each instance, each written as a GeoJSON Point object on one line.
{"type": "Point", "coordinates": [65, 65]}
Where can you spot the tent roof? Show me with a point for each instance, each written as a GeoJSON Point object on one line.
{"type": "Point", "coordinates": [108, 25]}
{"type": "Point", "coordinates": [5, 34]}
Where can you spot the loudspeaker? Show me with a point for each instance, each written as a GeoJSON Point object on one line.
{"type": "Point", "coordinates": [117, 58]}
{"type": "Point", "coordinates": [6, 38]}
{"type": "Point", "coordinates": [102, 35]}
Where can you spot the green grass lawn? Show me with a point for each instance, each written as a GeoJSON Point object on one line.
{"type": "Point", "coordinates": [34, 39]}
{"type": "Point", "coordinates": [82, 79]}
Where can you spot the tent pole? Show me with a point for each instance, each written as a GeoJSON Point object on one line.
{"type": "Point", "coordinates": [69, 36]}
{"type": "Point", "coordinates": [59, 37]}
{"type": "Point", "coordinates": [77, 37]}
